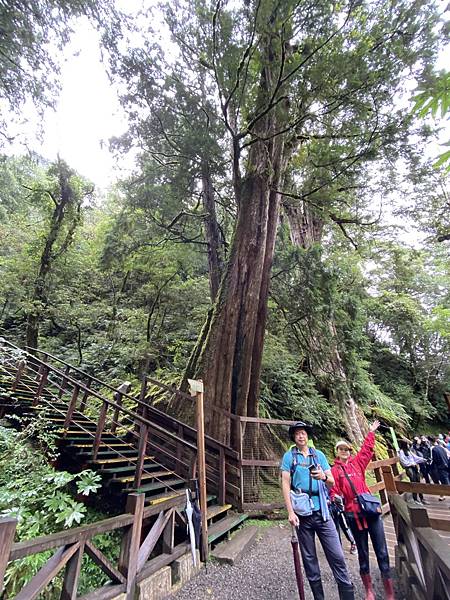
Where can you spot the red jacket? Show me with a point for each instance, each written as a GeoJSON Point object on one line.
{"type": "Point", "coordinates": [355, 468]}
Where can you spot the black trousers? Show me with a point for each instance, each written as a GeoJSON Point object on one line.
{"type": "Point", "coordinates": [327, 534]}
{"type": "Point", "coordinates": [376, 531]}
{"type": "Point", "coordinates": [440, 475]}
{"type": "Point", "coordinates": [425, 472]}
{"type": "Point", "coordinates": [414, 476]}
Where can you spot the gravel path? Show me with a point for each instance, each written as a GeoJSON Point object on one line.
{"type": "Point", "coordinates": [266, 572]}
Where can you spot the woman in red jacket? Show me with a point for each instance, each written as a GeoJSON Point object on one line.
{"type": "Point", "coordinates": [353, 468]}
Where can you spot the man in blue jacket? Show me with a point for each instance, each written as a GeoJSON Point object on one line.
{"type": "Point", "coordinates": [307, 470]}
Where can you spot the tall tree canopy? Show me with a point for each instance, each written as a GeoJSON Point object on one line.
{"type": "Point", "coordinates": [297, 87]}
{"type": "Point", "coordinates": [250, 247]}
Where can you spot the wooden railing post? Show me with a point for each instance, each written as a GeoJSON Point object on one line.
{"type": "Point", "coordinates": [129, 551]}
{"type": "Point", "coordinates": [168, 535]}
{"type": "Point", "coordinates": [241, 468]}
{"type": "Point", "coordinates": [196, 389]}
{"type": "Point", "coordinates": [124, 388]}
{"type": "Point", "coordinates": [179, 449]}
{"type": "Point", "coordinates": [389, 481]}
{"type": "Point", "coordinates": [85, 395]}
{"type": "Point", "coordinates": [42, 384]}
{"type": "Point", "coordinates": [7, 531]}
{"type": "Point", "coordinates": [222, 478]}
{"type": "Point", "coordinates": [383, 493]}
{"type": "Point", "coordinates": [395, 470]}
{"type": "Point", "coordinates": [62, 385]}
{"type": "Point", "coordinates": [20, 370]}
{"type": "Point", "coordinates": [143, 438]}
{"type": "Point", "coordinates": [100, 427]}
{"type": "Point", "coordinates": [71, 575]}
{"type": "Point", "coordinates": [72, 405]}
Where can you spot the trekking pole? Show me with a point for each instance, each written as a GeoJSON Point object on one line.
{"type": "Point", "coordinates": [297, 564]}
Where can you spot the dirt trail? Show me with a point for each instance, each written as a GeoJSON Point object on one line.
{"type": "Point", "coordinates": [266, 572]}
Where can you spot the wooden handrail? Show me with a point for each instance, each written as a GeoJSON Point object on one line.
{"type": "Point", "coordinates": [375, 464]}
{"type": "Point", "coordinates": [172, 389]}
{"type": "Point", "coordinates": [425, 573]}
{"type": "Point", "coordinates": [70, 536]}
{"type": "Point", "coordinates": [133, 561]}
{"type": "Point", "coordinates": [130, 413]}
{"type": "Point", "coordinates": [168, 388]}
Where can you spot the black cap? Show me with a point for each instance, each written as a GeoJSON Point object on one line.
{"type": "Point", "coordinates": [299, 425]}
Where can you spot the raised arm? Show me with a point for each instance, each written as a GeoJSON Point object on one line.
{"type": "Point", "coordinates": [365, 454]}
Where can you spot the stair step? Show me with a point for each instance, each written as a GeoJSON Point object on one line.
{"type": "Point", "coordinates": [127, 454]}
{"type": "Point", "coordinates": [217, 509]}
{"type": "Point", "coordinates": [88, 434]}
{"type": "Point", "coordinates": [162, 497]}
{"type": "Point", "coordinates": [103, 445]}
{"type": "Point", "coordinates": [130, 468]}
{"type": "Point", "coordinates": [230, 551]}
{"type": "Point", "coordinates": [108, 461]}
{"type": "Point", "coordinates": [152, 475]}
{"type": "Point", "coordinates": [56, 415]}
{"type": "Point", "coordinates": [223, 526]}
{"type": "Point", "coordinates": [156, 486]}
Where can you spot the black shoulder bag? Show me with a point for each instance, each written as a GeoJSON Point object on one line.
{"type": "Point", "coordinates": [370, 504]}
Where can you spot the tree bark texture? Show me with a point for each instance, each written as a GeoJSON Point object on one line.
{"type": "Point", "coordinates": [231, 357]}
{"type": "Point", "coordinates": [212, 232]}
{"type": "Point", "coordinates": [306, 229]}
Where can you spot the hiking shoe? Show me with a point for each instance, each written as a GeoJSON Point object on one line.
{"type": "Point", "coordinates": [353, 549]}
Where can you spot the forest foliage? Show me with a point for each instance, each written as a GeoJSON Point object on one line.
{"type": "Point", "coordinates": [357, 302]}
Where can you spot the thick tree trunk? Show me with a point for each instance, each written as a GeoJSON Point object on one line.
{"type": "Point", "coordinates": [230, 358]}
{"type": "Point", "coordinates": [212, 232]}
{"type": "Point", "coordinates": [306, 229]}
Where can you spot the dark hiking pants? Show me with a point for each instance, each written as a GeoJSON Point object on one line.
{"type": "Point", "coordinates": [425, 472]}
{"type": "Point", "coordinates": [376, 531]}
{"type": "Point", "coordinates": [440, 475]}
{"type": "Point", "coordinates": [414, 477]}
{"type": "Point", "coordinates": [329, 539]}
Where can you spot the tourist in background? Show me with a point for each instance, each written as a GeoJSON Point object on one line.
{"type": "Point", "coordinates": [425, 451]}
{"type": "Point", "coordinates": [439, 464]}
{"type": "Point", "coordinates": [410, 462]}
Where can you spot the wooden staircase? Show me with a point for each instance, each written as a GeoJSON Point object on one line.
{"type": "Point", "coordinates": [115, 453]}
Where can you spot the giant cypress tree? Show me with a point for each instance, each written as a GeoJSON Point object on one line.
{"type": "Point", "coordinates": [285, 73]}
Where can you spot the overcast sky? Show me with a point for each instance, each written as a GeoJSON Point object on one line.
{"type": "Point", "coordinates": [88, 112]}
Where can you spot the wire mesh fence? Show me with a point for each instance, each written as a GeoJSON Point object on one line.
{"type": "Point", "coordinates": [262, 443]}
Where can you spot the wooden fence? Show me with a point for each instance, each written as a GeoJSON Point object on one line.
{"type": "Point", "coordinates": [143, 527]}
{"type": "Point", "coordinates": [422, 555]}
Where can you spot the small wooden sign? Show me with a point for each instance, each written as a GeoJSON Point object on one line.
{"type": "Point", "coordinates": [195, 386]}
